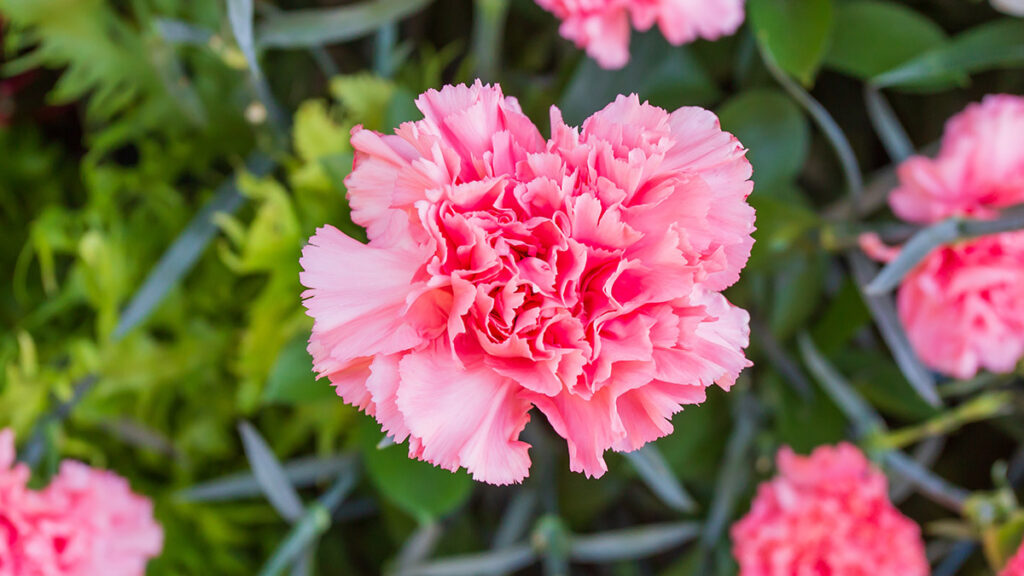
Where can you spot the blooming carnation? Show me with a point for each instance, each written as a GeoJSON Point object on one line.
{"type": "Point", "coordinates": [86, 522]}
{"type": "Point", "coordinates": [602, 27]}
{"type": "Point", "coordinates": [1015, 567]}
{"type": "Point", "coordinates": [578, 275]}
{"type": "Point", "coordinates": [827, 514]}
{"type": "Point", "coordinates": [963, 307]}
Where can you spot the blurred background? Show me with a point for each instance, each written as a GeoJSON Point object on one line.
{"type": "Point", "coordinates": [162, 165]}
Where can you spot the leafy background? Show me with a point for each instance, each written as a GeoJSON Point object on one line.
{"type": "Point", "coordinates": [162, 163]}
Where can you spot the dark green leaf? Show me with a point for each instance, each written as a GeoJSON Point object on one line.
{"type": "Point", "coordinates": [795, 33]}
{"type": "Point", "coordinates": [314, 27]}
{"type": "Point", "coordinates": [292, 381]}
{"type": "Point", "coordinates": [665, 75]}
{"type": "Point", "coordinates": [773, 129]}
{"type": "Point", "coordinates": [995, 45]}
{"type": "Point", "coordinates": [418, 488]}
{"type": "Point", "coordinates": [874, 36]}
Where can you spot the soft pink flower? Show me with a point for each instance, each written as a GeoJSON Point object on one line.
{"type": "Point", "coordinates": [602, 27]}
{"type": "Point", "coordinates": [828, 514]}
{"type": "Point", "coordinates": [86, 522]}
{"type": "Point", "coordinates": [1015, 567]}
{"type": "Point", "coordinates": [579, 275]}
{"type": "Point", "coordinates": [979, 168]}
{"type": "Point", "coordinates": [963, 307]}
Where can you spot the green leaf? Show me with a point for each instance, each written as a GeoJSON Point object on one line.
{"type": "Point", "coordinates": [873, 36]}
{"type": "Point", "coordinates": [270, 474]}
{"type": "Point", "coordinates": [998, 44]}
{"type": "Point", "coordinates": [880, 381]}
{"type": "Point", "coordinates": [783, 220]}
{"type": "Point", "coordinates": [804, 424]}
{"type": "Point", "coordinates": [291, 380]}
{"type": "Point", "coordinates": [799, 287]}
{"type": "Point", "coordinates": [666, 76]}
{"type": "Point", "coordinates": [632, 543]}
{"type": "Point", "coordinates": [774, 130]}
{"type": "Point", "coordinates": [795, 33]}
{"type": "Point", "coordinates": [420, 489]}
{"type": "Point", "coordinates": [314, 27]}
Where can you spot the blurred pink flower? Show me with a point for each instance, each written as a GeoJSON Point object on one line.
{"type": "Point", "coordinates": [963, 307]}
{"type": "Point", "coordinates": [827, 514]}
{"type": "Point", "coordinates": [580, 275]}
{"type": "Point", "coordinates": [979, 168]}
{"type": "Point", "coordinates": [1015, 567]}
{"type": "Point", "coordinates": [86, 522]}
{"type": "Point", "coordinates": [602, 27]}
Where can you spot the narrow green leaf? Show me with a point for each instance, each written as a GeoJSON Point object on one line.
{"type": "Point", "coordinates": [315, 520]}
{"type": "Point", "coordinates": [995, 45]}
{"type": "Point", "coordinates": [301, 473]}
{"type": "Point", "coordinates": [270, 474]}
{"type": "Point", "coordinates": [937, 235]}
{"type": "Point", "coordinates": [842, 393]}
{"type": "Point", "coordinates": [516, 519]}
{"type": "Point", "coordinates": [796, 33]}
{"type": "Point", "coordinates": [240, 15]}
{"type": "Point", "coordinates": [927, 483]}
{"type": "Point", "coordinates": [186, 250]}
{"type": "Point", "coordinates": [883, 311]}
{"type": "Point", "coordinates": [486, 564]}
{"type": "Point", "coordinates": [654, 471]}
{"type": "Point", "coordinates": [314, 27]}
{"type": "Point", "coordinates": [631, 543]}
{"type": "Point", "coordinates": [895, 139]}
{"type": "Point", "coordinates": [836, 138]}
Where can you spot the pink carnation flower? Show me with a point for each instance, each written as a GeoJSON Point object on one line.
{"type": "Point", "coordinates": [963, 307]}
{"type": "Point", "coordinates": [602, 27]}
{"type": "Point", "coordinates": [979, 168]}
{"type": "Point", "coordinates": [579, 275]}
{"type": "Point", "coordinates": [1015, 567]}
{"type": "Point", "coordinates": [828, 514]}
{"type": "Point", "coordinates": [86, 522]}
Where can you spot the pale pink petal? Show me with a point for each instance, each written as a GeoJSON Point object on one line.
{"type": "Point", "coordinates": [465, 416]}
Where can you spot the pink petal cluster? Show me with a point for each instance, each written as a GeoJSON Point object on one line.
{"type": "Point", "coordinates": [827, 514]}
{"type": "Point", "coordinates": [1015, 567]}
{"type": "Point", "coordinates": [602, 27]}
{"type": "Point", "coordinates": [963, 307]}
{"type": "Point", "coordinates": [86, 522]}
{"type": "Point", "coordinates": [579, 275]}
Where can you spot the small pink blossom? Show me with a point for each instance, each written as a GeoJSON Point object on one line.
{"type": "Point", "coordinates": [602, 27]}
{"type": "Point", "coordinates": [827, 514]}
{"type": "Point", "coordinates": [86, 522]}
{"type": "Point", "coordinates": [578, 275]}
{"type": "Point", "coordinates": [963, 306]}
{"type": "Point", "coordinates": [1015, 567]}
